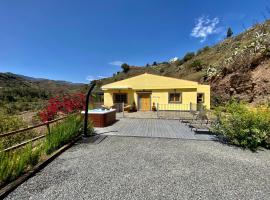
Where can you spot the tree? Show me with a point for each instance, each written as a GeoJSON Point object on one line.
{"type": "Point", "coordinates": [155, 63]}
{"type": "Point", "coordinates": [229, 32]}
{"type": "Point", "coordinates": [125, 67]}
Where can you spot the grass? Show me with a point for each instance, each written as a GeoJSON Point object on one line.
{"type": "Point", "coordinates": [62, 133]}
{"type": "Point", "coordinates": [17, 162]}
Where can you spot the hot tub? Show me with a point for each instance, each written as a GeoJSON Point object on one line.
{"type": "Point", "coordinates": [101, 118]}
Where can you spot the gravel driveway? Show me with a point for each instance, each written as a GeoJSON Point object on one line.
{"type": "Point", "coordinates": [151, 168]}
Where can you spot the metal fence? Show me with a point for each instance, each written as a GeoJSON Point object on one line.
{"type": "Point", "coordinates": [179, 111]}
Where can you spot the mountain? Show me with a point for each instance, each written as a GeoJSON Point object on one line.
{"type": "Point", "coordinates": [10, 81]}
{"type": "Point", "coordinates": [238, 67]}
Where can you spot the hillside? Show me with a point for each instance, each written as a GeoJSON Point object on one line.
{"type": "Point", "coordinates": [21, 93]}
{"type": "Point", "coordinates": [237, 67]}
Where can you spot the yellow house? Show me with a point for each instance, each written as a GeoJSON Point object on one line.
{"type": "Point", "coordinates": [164, 93]}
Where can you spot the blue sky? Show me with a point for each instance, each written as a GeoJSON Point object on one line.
{"type": "Point", "coordinates": [76, 40]}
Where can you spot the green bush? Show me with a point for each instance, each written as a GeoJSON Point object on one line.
{"type": "Point", "coordinates": [242, 126]}
{"type": "Point", "coordinates": [62, 133]}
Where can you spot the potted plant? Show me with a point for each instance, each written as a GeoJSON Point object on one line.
{"type": "Point", "coordinates": [133, 107]}
{"type": "Point", "coordinates": [154, 107]}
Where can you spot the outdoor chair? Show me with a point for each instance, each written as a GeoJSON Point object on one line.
{"type": "Point", "coordinates": [201, 128]}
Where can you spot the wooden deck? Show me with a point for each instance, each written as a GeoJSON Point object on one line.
{"type": "Point", "coordinates": [152, 128]}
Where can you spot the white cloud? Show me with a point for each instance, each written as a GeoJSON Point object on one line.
{"type": "Point", "coordinates": [102, 77]}
{"type": "Point", "coordinates": [205, 27]}
{"type": "Point", "coordinates": [116, 63]}
{"type": "Point", "coordinates": [91, 78]}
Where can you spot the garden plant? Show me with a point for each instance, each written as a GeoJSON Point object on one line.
{"type": "Point", "coordinates": [243, 126]}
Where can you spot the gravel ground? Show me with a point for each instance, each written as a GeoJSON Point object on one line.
{"type": "Point", "coordinates": [151, 168]}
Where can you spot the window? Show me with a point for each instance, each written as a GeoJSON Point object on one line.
{"type": "Point", "coordinates": [200, 98]}
{"type": "Point", "coordinates": [120, 98]}
{"type": "Point", "coordinates": [175, 98]}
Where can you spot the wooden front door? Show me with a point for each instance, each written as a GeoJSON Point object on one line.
{"type": "Point", "coordinates": [145, 102]}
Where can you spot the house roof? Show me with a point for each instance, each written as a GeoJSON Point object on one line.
{"type": "Point", "coordinates": [150, 81]}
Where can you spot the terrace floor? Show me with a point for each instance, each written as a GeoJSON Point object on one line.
{"type": "Point", "coordinates": [156, 115]}
{"type": "Point", "coordinates": [152, 128]}
{"type": "Point", "coordinates": [151, 168]}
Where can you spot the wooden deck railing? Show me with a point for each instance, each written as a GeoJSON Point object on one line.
{"type": "Point", "coordinates": [47, 124]}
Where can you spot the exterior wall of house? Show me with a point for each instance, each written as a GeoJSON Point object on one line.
{"type": "Point", "coordinates": [108, 96]}
{"type": "Point", "coordinates": [162, 98]}
{"type": "Point", "coordinates": [159, 87]}
{"type": "Point", "coordinates": [205, 89]}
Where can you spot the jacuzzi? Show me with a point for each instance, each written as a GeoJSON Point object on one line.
{"type": "Point", "coordinates": [101, 118]}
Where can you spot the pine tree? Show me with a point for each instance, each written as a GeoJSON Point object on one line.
{"type": "Point", "coordinates": [229, 32]}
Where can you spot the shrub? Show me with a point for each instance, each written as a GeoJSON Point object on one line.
{"type": "Point", "coordinates": [242, 126]}
{"type": "Point", "coordinates": [65, 104]}
{"type": "Point", "coordinates": [10, 123]}
{"type": "Point", "coordinates": [62, 133]}
{"type": "Point", "coordinates": [204, 49]}
{"type": "Point", "coordinates": [196, 65]}
{"type": "Point", "coordinates": [188, 56]}
{"type": "Point", "coordinates": [179, 62]}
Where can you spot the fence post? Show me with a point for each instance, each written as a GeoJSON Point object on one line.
{"type": "Point", "coordinates": [123, 109]}
{"type": "Point", "coordinates": [190, 106]}
{"type": "Point", "coordinates": [48, 127]}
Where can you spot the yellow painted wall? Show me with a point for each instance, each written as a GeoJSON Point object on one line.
{"type": "Point", "coordinates": [206, 90]}
{"type": "Point", "coordinates": [162, 98]}
{"type": "Point", "coordinates": [108, 96]}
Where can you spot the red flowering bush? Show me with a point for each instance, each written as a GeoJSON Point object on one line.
{"type": "Point", "coordinates": [65, 104]}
